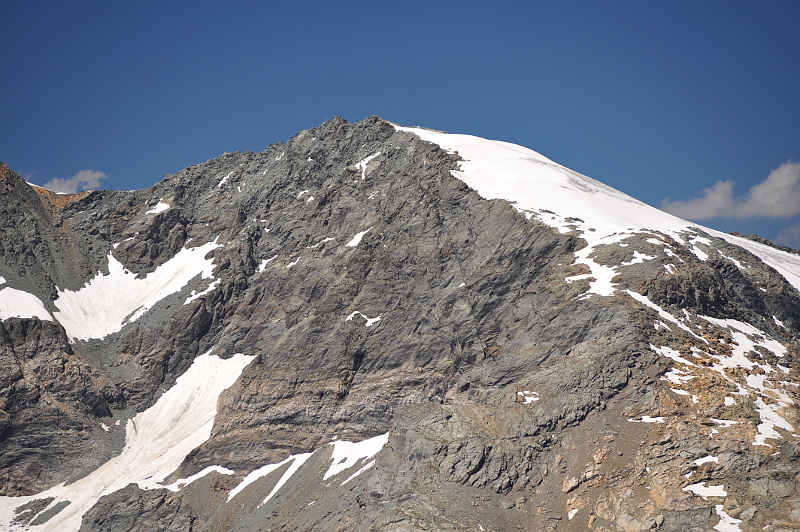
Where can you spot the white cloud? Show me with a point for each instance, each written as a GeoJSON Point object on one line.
{"type": "Point", "coordinates": [83, 180]}
{"type": "Point", "coordinates": [716, 201]}
{"type": "Point", "coordinates": [789, 236]}
{"type": "Point", "coordinates": [778, 196]}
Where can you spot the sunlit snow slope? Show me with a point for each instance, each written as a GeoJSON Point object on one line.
{"type": "Point", "coordinates": [108, 302]}
{"type": "Point", "coordinates": [156, 442]}
{"type": "Point", "coordinates": [601, 215]}
{"type": "Point", "coordinates": [569, 201]}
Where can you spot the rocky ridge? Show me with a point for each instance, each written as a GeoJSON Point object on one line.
{"type": "Point", "coordinates": [525, 368]}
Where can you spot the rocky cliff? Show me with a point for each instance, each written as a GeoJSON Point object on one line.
{"type": "Point", "coordinates": [371, 327]}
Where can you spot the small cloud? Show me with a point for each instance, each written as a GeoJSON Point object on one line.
{"type": "Point", "coordinates": [778, 196]}
{"type": "Point", "coordinates": [789, 236]}
{"type": "Point", "coordinates": [83, 180]}
{"type": "Point", "coordinates": [716, 202]}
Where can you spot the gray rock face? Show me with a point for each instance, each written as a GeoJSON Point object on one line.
{"type": "Point", "coordinates": [379, 294]}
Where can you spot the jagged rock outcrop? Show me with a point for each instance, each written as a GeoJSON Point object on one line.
{"type": "Point", "coordinates": [504, 366]}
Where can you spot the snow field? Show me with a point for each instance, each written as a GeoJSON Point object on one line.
{"type": "Point", "coordinates": [107, 302]}
{"type": "Point", "coordinates": [19, 304]}
{"type": "Point", "coordinates": [534, 184]}
{"type": "Point", "coordinates": [156, 442]}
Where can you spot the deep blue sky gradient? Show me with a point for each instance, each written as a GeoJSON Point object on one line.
{"type": "Point", "coordinates": [657, 99]}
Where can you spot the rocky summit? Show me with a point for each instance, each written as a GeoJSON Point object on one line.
{"type": "Point", "coordinates": [374, 327]}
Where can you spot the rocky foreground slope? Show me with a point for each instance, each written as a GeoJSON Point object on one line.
{"type": "Point", "coordinates": [372, 327]}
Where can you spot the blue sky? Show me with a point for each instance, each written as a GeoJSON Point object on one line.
{"type": "Point", "coordinates": [662, 100]}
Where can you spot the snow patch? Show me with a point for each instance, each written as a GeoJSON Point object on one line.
{"type": "Point", "coordinates": [528, 396]}
{"type": "Point", "coordinates": [263, 265]}
{"type": "Point", "coordinates": [318, 244]}
{"type": "Point", "coordinates": [115, 245]}
{"type": "Point", "coordinates": [603, 275]}
{"type": "Point", "coordinates": [197, 295]}
{"type": "Point", "coordinates": [647, 419]}
{"type": "Point", "coordinates": [347, 454]}
{"type": "Point", "coordinates": [769, 420]}
{"type": "Point", "coordinates": [663, 313]}
{"type": "Point", "coordinates": [699, 253]}
{"type": "Point", "coordinates": [706, 459]}
{"type": "Point", "coordinates": [726, 522]}
{"type": "Point", "coordinates": [257, 474]}
{"type": "Point", "coordinates": [108, 302]}
{"type": "Point", "coordinates": [638, 258]}
{"type": "Point", "coordinates": [706, 491]}
{"type": "Point", "coordinates": [736, 262]}
{"type": "Point", "coordinates": [354, 475]}
{"type": "Point", "coordinates": [19, 304]}
{"type": "Point", "coordinates": [297, 461]}
{"type": "Point", "coordinates": [225, 179]}
{"type": "Point", "coordinates": [356, 240]}
{"type": "Point", "coordinates": [362, 164]}
{"type": "Point", "coordinates": [668, 352]}
{"type": "Point", "coordinates": [370, 321]}
{"type": "Point", "coordinates": [183, 482]}
{"type": "Point", "coordinates": [156, 443]}
{"type": "Point", "coordinates": [160, 207]}
{"type": "Point", "coordinates": [741, 333]}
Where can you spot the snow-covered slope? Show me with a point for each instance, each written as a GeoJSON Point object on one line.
{"type": "Point", "coordinates": [156, 442]}
{"type": "Point", "coordinates": [19, 304]}
{"type": "Point", "coordinates": [108, 302]}
{"type": "Point", "coordinates": [568, 201]}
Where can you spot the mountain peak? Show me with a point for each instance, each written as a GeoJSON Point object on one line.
{"type": "Point", "coordinates": [370, 326]}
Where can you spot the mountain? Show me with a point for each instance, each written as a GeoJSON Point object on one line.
{"type": "Point", "coordinates": [374, 327]}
